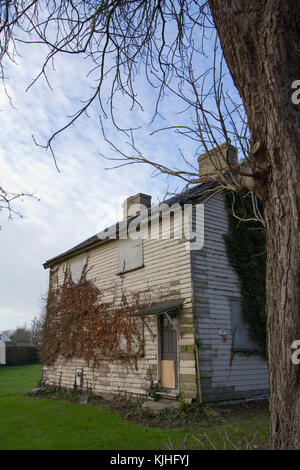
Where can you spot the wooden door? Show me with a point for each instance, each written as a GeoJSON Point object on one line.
{"type": "Point", "coordinates": [168, 353]}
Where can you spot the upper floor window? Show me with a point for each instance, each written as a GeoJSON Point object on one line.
{"type": "Point", "coordinates": [77, 265]}
{"type": "Point", "coordinates": [130, 254]}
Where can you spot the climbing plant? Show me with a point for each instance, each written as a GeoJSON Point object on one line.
{"type": "Point", "coordinates": [246, 249]}
{"type": "Point", "coordinates": [79, 323]}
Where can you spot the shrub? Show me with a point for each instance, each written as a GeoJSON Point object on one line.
{"type": "Point", "coordinates": [17, 355]}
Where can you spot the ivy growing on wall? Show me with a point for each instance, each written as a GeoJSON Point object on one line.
{"type": "Point", "coordinates": [246, 249]}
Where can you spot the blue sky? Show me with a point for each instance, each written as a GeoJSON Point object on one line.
{"type": "Point", "coordinates": [84, 197]}
{"type": "Point", "coordinates": [80, 200]}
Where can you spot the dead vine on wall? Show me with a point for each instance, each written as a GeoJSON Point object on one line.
{"type": "Point", "coordinates": [80, 324]}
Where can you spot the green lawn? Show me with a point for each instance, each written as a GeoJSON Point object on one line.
{"type": "Point", "coordinates": [37, 423]}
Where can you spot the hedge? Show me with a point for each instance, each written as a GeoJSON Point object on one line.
{"type": "Point", "coordinates": [17, 355]}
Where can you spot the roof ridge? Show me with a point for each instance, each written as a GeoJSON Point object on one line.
{"type": "Point", "coordinates": [95, 239]}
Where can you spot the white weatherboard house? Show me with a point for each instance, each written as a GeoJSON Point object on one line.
{"type": "Point", "coordinates": [189, 346]}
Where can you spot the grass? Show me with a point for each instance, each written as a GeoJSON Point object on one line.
{"type": "Point", "coordinates": [37, 423]}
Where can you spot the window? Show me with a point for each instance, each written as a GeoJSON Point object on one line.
{"type": "Point", "coordinates": [130, 254]}
{"type": "Point", "coordinates": [241, 337]}
{"type": "Point", "coordinates": [76, 267]}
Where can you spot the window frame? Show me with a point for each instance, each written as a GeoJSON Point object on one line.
{"type": "Point", "coordinates": [140, 263]}
{"type": "Point", "coordinates": [251, 347]}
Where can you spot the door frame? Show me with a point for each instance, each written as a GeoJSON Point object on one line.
{"type": "Point", "coordinates": [159, 349]}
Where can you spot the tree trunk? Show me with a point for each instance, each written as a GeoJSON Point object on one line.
{"type": "Point", "coordinates": [261, 44]}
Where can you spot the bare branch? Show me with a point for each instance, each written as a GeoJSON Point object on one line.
{"type": "Point", "coordinates": [7, 201]}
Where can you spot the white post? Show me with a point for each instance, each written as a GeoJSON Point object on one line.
{"type": "Point", "coordinates": [2, 353]}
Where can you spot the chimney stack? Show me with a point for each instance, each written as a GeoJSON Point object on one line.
{"type": "Point", "coordinates": [219, 159]}
{"type": "Point", "coordinates": [132, 205]}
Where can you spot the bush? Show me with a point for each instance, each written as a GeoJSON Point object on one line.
{"type": "Point", "coordinates": [19, 355]}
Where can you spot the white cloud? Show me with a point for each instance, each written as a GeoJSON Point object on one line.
{"type": "Point", "coordinates": [75, 203]}
{"type": "Point", "coordinates": [83, 198]}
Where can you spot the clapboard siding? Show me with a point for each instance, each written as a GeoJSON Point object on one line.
{"type": "Point", "coordinates": [223, 375]}
{"type": "Point", "coordinates": [207, 282]}
{"type": "Point", "coordinates": [167, 270]}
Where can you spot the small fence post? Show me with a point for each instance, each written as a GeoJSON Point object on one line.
{"type": "Point", "coordinates": [2, 353]}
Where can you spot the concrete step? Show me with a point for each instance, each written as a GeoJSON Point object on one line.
{"type": "Point", "coordinates": [168, 395]}
{"type": "Point", "coordinates": [156, 407]}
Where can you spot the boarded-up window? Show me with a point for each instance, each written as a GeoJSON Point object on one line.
{"type": "Point", "coordinates": [130, 254]}
{"type": "Point", "coordinates": [240, 332]}
{"type": "Point", "coordinates": [76, 267]}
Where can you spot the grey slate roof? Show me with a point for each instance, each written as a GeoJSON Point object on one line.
{"type": "Point", "coordinates": [185, 197]}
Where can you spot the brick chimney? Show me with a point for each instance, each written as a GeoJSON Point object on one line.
{"type": "Point", "coordinates": [218, 159]}
{"type": "Point", "coordinates": [132, 205]}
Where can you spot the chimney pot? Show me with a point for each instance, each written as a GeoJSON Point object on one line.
{"type": "Point", "coordinates": [218, 159]}
{"type": "Point", "coordinates": [132, 205]}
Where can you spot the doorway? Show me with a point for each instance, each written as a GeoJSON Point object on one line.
{"type": "Point", "coordinates": [168, 352]}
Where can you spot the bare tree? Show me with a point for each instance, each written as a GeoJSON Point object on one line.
{"type": "Point", "coordinates": [260, 43]}
{"type": "Point", "coordinates": [36, 330]}
{"type": "Point", "coordinates": [7, 201]}
{"type": "Point", "coordinates": [21, 335]}
{"type": "Point", "coordinates": [5, 332]}
{"type": "Point", "coordinates": [37, 326]}
{"type": "Point", "coordinates": [38, 323]}
{"type": "Point", "coordinates": [29, 335]}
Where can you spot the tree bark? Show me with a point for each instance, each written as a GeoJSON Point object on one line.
{"type": "Point", "coordinates": [261, 44]}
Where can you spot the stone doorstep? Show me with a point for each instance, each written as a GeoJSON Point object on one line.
{"type": "Point", "coordinates": [168, 395]}
{"type": "Point", "coordinates": [156, 407]}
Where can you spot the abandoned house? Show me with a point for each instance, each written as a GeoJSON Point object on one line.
{"type": "Point", "coordinates": [168, 313]}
